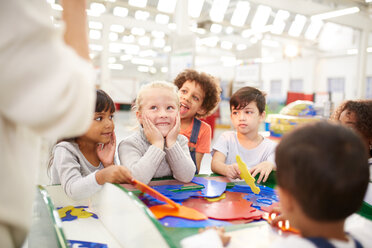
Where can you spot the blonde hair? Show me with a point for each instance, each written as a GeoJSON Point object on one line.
{"type": "Point", "coordinates": [155, 85]}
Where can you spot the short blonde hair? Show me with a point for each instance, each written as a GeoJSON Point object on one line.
{"type": "Point", "coordinates": [155, 85]}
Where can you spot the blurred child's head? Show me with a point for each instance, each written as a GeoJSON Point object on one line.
{"type": "Point", "coordinates": [357, 115]}
{"type": "Point", "coordinates": [247, 106]}
{"type": "Point", "coordinates": [322, 173]}
{"type": "Point", "coordinates": [102, 127]}
{"type": "Point", "coordinates": [158, 101]}
{"type": "Point", "coordinates": [199, 93]}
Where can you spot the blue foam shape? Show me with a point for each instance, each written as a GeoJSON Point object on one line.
{"type": "Point", "coordinates": [85, 244]}
{"type": "Point", "coordinates": [176, 196]}
{"type": "Point", "coordinates": [212, 188]}
{"type": "Point", "coordinates": [170, 221]}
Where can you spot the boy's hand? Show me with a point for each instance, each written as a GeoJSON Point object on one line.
{"type": "Point", "coordinates": [264, 169]}
{"type": "Point", "coordinates": [114, 174]}
{"type": "Point", "coordinates": [106, 152]}
{"type": "Point", "coordinates": [152, 134]}
{"type": "Point", "coordinates": [173, 133]}
{"type": "Point", "coordinates": [232, 171]}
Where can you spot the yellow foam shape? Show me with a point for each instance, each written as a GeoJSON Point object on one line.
{"type": "Point", "coordinates": [62, 211]}
{"type": "Point", "coordinates": [223, 196]}
{"type": "Point", "coordinates": [246, 175]}
{"type": "Point", "coordinates": [80, 213]}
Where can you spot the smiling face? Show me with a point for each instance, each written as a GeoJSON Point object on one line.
{"type": "Point", "coordinates": [101, 129]}
{"type": "Point", "coordinates": [248, 119]}
{"type": "Point", "coordinates": [191, 99]}
{"type": "Point", "coordinates": [159, 105]}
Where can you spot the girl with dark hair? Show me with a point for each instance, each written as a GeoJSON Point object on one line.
{"type": "Point", "coordinates": [83, 164]}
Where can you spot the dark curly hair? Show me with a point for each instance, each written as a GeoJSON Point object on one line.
{"type": "Point", "coordinates": [363, 114]}
{"type": "Point", "coordinates": [209, 85]}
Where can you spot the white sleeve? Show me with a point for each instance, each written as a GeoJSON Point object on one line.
{"type": "Point", "coordinates": [44, 84]}
{"type": "Point", "coordinates": [221, 144]}
{"type": "Point", "coordinates": [74, 184]}
{"type": "Point", "coordinates": [206, 239]}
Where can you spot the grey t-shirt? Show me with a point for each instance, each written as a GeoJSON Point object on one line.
{"type": "Point", "coordinates": [229, 145]}
{"type": "Point", "coordinates": [73, 171]}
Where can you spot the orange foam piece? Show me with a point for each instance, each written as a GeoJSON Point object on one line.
{"type": "Point", "coordinates": [161, 211]}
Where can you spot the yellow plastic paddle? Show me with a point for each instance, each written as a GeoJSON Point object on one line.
{"type": "Point", "coordinates": [246, 175]}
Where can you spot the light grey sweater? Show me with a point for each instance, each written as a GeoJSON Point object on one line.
{"type": "Point", "coordinates": [146, 161]}
{"type": "Point", "coordinates": [73, 171]}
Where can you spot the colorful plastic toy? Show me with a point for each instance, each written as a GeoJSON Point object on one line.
{"type": "Point", "coordinates": [246, 175]}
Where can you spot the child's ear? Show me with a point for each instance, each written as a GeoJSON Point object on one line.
{"type": "Point", "coordinates": [263, 116]}
{"type": "Point", "coordinates": [201, 111]}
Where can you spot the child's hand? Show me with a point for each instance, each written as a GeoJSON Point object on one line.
{"type": "Point", "coordinates": [152, 134]}
{"type": "Point", "coordinates": [114, 174]}
{"type": "Point", "coordinates": [173, 133]}
{"type": "Point", "coordinates": [264, 169]}
{"type": "Point", "coordinates": [106, 152]}
{"type": "Point", "coordinates": [221, 233]}
{"type": "Point", "coordinates": [232, 171]}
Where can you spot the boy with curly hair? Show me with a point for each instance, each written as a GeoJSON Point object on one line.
{"type": "Point", "coordinates": [199, 97]}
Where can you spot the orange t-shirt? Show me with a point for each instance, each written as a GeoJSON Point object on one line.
{"type": "Point", "coordinates": [203, 144]}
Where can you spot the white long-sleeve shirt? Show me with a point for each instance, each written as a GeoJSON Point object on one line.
{"type": "Point", "coordinates": [46, 92]}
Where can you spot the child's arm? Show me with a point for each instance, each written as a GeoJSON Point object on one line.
{"type": "Point", "coordinates": [141, 159]}
{"type": "Point", "coordinates": [180, 161]}
{"type": "Point", "coordinates": [264, 168]}
{"type": "Point", "coordinates": [106, 152]}
{"type": "Point", "coordinates": [219, 166]}
{"type": "Point", "coordinates": [198, 157]}
{"type": "Point", "coordinates": [114, 174]}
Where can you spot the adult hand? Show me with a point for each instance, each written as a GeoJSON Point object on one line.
{"type": "Point", "coordinates": [264, 169]}
{"type": "Point", "coordinates": [106, 152]}
{"type": "Point", "coordinates": [173, 133]}
{"type": "Point", "coordinates": [114, 174]}
{"type": "Point", "coordinates": [152, 134]}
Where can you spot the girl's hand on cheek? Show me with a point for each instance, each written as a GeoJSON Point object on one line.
{"type": "Point", "coordinates": [106, 152]}
{"type": "Point", "coordinates": [173, 133]}
{"type": "Point", "coordinates": [152, 134]}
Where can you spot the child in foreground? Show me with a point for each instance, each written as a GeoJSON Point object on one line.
{"type": "Point", "coordinates": [322, 176]}
{"type": "Point", "coordinates": [157, 149]}
{"type": "Point", "coordinates": [199, 95]}
{"type": "Point", "coordinates": [247, 106]}
{"type": "Point", "coordinates": [83, 164]}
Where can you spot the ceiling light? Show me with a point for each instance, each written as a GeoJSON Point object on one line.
{"type": "Point", "coordinates": [141, 15]}
{"type": "Point", "coordinates": [240, 13]}
{"type": "Point", "coordinates": [291, 51]}
{"type": "Point", "coordinates": [195, 7]}
{"type": "Point", "coordinates": [279, 22]}
{"type": "Point", "coordinates": [218, 10]}
{"type": "Point", "coordinates": [117, 28]}
{"type": "Point", "coordinates": [261, 17]}
{"type": "Point", "coordinates": [112, 60]}
{"type": "Point", "coordinates": [297, 25]}
{"type": "Point", "coordinates": [167, 49]}
{"type": "Point", "coordinates": [141, 61]}
{"type": "Point", "coordinates": [120, 11]}
{"type": "Point", "coordinates": [153, 70]}
{"type": "Point", "coordinates": [142, 68]}
{"type": "Point", "coordinates": [95, 34]}
{"type": "Point", "coordinates": [167, 5]}
{"type": "Point", "coordinates": [97, 9]}
{"type": "Point", "coordinates": [229, 30]}
{"type": "Point", "coordinates": [336, 13]}
{"type": "Point", "coordinates": [138, 31]}
{"type": "Point", "coordinates": [138, 3]}
{"type": "Point", "coordinates": [164, 69]}
{"type": "Point", "coordinates": [216, 28]}
{"type": "Point", "coordinates": [162, 19]}
{"type": "Point", "coordinates": [115, 66]}
{"type": "Point", "coordinates": [95, 25]}
{"type": "Point", "coordinates": [147, 53]}
{"type": "Point", "coordinates": [313, 29]}
{"type": "Point", "coordinates": [369, 49]}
